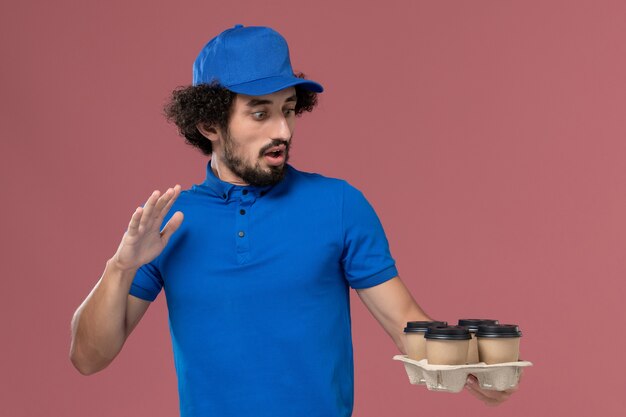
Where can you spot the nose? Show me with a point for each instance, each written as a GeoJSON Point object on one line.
{"type": "Point", "coordinates": [281, 129]}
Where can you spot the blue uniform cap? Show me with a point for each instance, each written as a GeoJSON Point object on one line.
{"type": "Point", "coordinates": [251, 60]}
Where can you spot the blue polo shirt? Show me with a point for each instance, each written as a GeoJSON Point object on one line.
{"type": "Point", "coordinates": [257, 285]}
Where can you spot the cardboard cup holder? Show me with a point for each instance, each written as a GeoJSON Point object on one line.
{"type": "Point", "coordinates": [451, 378]}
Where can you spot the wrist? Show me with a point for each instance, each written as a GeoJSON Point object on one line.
{"type": "Point", "coordinates": [114, 265]}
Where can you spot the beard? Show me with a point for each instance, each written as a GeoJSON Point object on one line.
{"type": "Point", "coordinates": [255, 174]}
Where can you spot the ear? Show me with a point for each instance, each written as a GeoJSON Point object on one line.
{"type": "Point", "coordinates": [208, 132]}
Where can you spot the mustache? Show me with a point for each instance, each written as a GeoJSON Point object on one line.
{"type": "Point", "coordinates": [275, 142]}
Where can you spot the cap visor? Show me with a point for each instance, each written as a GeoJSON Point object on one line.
{"type": "Point", "coordinates": [272, 84]}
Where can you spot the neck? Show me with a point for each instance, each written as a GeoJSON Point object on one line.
{"type": "Point", "coordinates": [222, 172]}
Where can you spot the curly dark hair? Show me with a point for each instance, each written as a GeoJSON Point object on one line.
{"type": "Point", "coordinates": [212, 104]}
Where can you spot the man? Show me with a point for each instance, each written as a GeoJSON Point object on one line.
{"type": "Point", "coordinates": [257, 278]}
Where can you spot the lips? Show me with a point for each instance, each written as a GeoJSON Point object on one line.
{"type": "Point", "coordinates": [275, 151]}
{"type": "Point", "coordinates": [275, 156]}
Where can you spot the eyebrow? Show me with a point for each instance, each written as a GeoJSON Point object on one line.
{"type": "Point", "coordinates": [256, 102]}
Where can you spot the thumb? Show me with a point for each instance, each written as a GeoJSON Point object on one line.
{"type": "Point", "coordinates": [172, 225]}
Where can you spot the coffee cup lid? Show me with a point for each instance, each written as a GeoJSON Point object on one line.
{"type": "Point", "coordinates": [472, 324]}
{"type": "Point", "coordinates": [498, 330]}
{"type": "Point", "coordinates": [448, 333]}
{"type": "Point", "coordinates": [422, 326]}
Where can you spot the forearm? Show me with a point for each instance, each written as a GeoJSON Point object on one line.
{"type": "Point", "coordinates": [99, 324]}
{"type": "Point", "coordinates": [392, 305]}
{"type": "Point", "coordinates": [395, 329]}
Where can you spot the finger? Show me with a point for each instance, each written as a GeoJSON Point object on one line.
{"type": "Point", "coordinates": [170, 201]}
{"type": "Point", "coordinates": [133, 225]}
{"type": "Point", "coordinates": [490, 394]}
{"type": "Point", "coordinates": [148, 208]}
{"type": "Point", "coordinates": [163, 200]}
{"type": "Point", "coordinates": [497, 396]}
{"type": "Point", "coordinates": [479, 395]}
{"type": "Point", "coordinates": [473, 385]}
{"type": "Point", "coordinates": [172, 225]}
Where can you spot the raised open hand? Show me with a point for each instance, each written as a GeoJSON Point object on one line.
{"type": "Point", "coordinates": [143, 240]}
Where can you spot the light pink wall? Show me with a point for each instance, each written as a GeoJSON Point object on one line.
{"type": "Point", "coordinates": [488, 135]}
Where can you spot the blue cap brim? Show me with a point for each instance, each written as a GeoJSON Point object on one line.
{"type": "Point", "coordinates": [272, 84]}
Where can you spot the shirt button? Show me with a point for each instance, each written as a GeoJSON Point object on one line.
{"type": "Point", "coordinates": [242, 212]}
{"type": "Point", "coordinates": [241, 234]}
{"type": "Point", "coordinates": [244, 192]}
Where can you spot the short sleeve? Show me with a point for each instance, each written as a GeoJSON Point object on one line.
{"type": "Point", "coordinates": [366, 258]}
{"type": "Point", "coordinates": [147, 282]}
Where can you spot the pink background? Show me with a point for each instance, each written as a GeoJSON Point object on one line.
{"type": "Point", "coordinates": [488, 135]}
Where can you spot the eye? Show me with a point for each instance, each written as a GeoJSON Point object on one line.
{"type": "Point", "coordinates": [259, 115]}
{"type": "Point", "coordinates": [289, 112]}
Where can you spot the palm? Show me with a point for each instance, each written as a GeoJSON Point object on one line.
{"type": "Point", "coordinates": [144, 241]}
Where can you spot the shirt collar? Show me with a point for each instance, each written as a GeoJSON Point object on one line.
{"type": "Point", "coordinates": [224, 190]}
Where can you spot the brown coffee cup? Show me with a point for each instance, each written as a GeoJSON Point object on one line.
{"type": "Point", "coordinates": [498, 343]}
{"type": "Point", "coordinates": [414, 341]}
{"type": "Point", "coordinates": [472, 326]}
{"type": "Point", "coordinates": [447, 345]}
